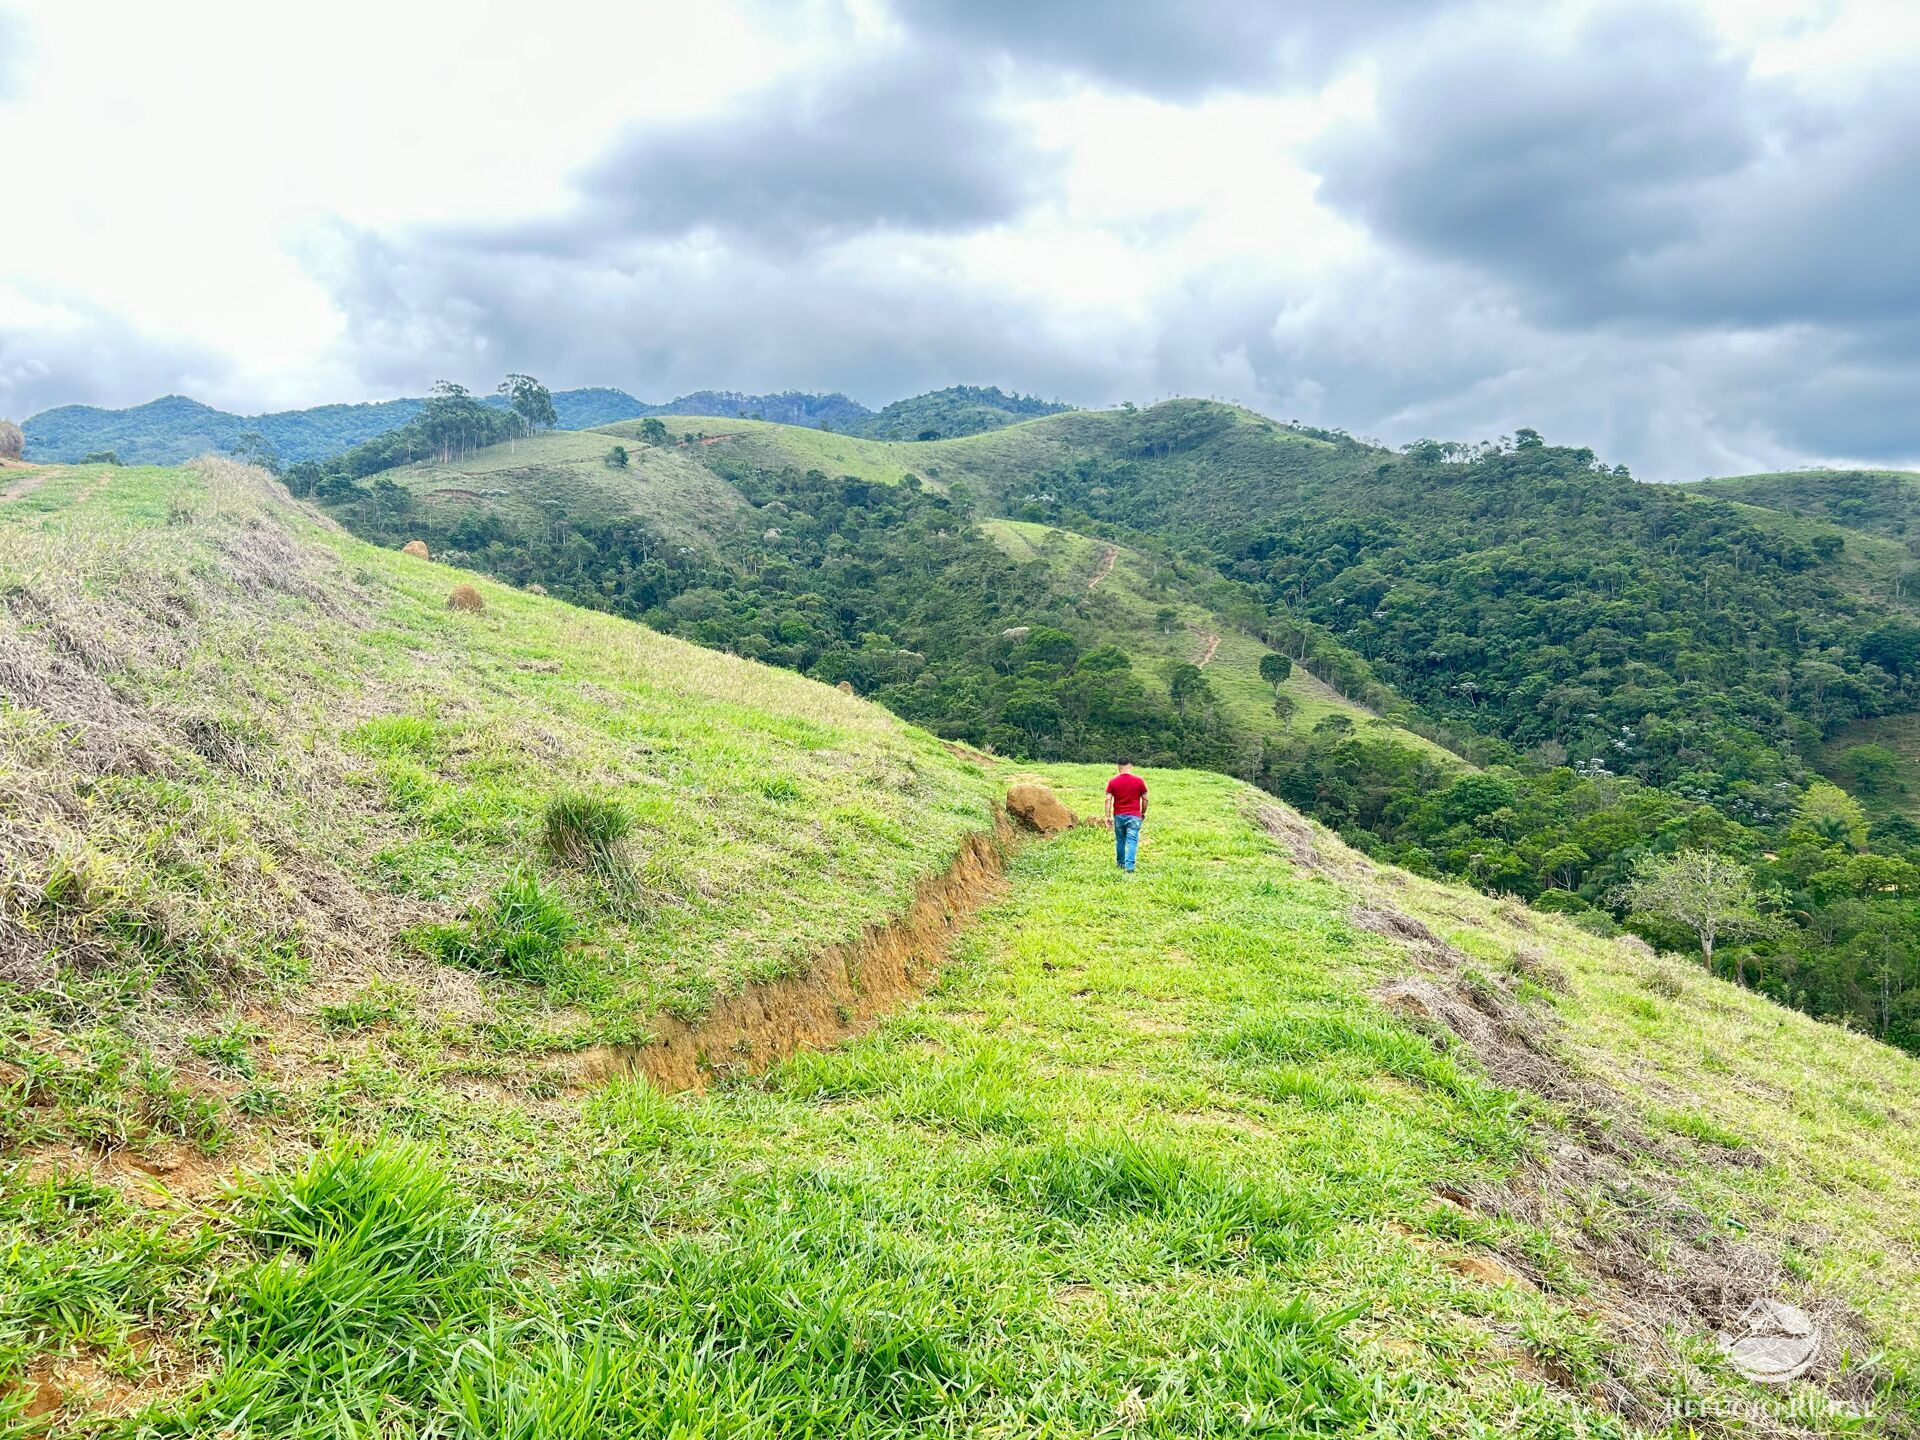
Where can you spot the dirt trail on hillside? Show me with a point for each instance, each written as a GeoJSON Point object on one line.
{"type": "Point", "coordinates": [1206, 655]}
{"type": "Point", "coordinates": [23, 485]}
{"type": "Point", "coordinates": [1106, 567]}
{"type": "Point", "coordinates": [845, 991]}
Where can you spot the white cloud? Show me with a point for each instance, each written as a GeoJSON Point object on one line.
{"type": "Point", "coordinates": [1673, 233]}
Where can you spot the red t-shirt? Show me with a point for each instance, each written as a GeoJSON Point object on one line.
{"type": "Point", "coordinates": [1127, 792]}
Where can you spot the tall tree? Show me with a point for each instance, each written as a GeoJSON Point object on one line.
{"type": "Point", "coordinates": [253, 448]}
{"type": "Point", "coordinates": [531, 401]}
{"type": "Point", "coordinates": [1709, 894]}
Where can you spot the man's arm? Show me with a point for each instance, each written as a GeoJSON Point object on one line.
{"type": "Point", "coordinates": [1106, 815]}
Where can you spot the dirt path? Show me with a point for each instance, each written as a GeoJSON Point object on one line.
{"type": "Point", "coordinates": [1213, 644]}
{"type": "Point", "coordinates": [1106, 567]}
{"type": "Point", "coordinates": [23, 485]}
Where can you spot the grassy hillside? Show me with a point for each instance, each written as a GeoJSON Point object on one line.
{"type": "Point", "coordinates": [255, 762]}
{"type": "Point", "coordinates": [528, 484]}
{"type": "Point", "coordinates": [1124, 603]}
{"type": "Point", "coordinates": [1637, 669]}
{"type": "Point", "coordinates": [762, 442]}
{"type": "Point", "coordinates": [1195, 1153]}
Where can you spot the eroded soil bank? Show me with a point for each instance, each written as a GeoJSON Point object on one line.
{"type": "Point", "coordinates": [842, 993]}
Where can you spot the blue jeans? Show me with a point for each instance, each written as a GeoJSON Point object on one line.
{"type": "Point", "coordinates": [1126, 840]}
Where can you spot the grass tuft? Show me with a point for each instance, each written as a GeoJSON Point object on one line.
{"type": "Point", "coordinates": [521, 932]}
{"type": "Point", "coordinates": [586, 829]}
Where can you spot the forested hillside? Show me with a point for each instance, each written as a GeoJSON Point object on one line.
{"type": "Point", "coordinates": [1634, 673]}
{"type": "Point", "coordinates": [174, 428]}
{"type": "Point", "coordinates": [959, 410]}
{"type": "Point", "coordinates": [1878, 502]}
{"type": "Point", "coordinates": [170, 430]}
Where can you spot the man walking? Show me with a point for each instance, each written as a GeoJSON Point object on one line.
{"type": "Point", "coordinates": [1126, 812]}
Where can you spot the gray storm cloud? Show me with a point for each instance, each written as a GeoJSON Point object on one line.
{"type": "Point", "coordinates": [1178, 49]}
{"type": "Point", "coordinates": [1605, 227]}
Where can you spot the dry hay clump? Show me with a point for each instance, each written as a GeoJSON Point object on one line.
{"type": "Point", "coordinates": [845, 687]}
{"type": "Point", "coordinates": [1428, 948]}
{"type": "Point", "coordinates": [465, 597]}
{"type": "Point", "coordinates": [1294, 834]}
{"type": "Point", "coordinates": [417, 549]}
{"type": "Point", "coordinates": [1038, 808]}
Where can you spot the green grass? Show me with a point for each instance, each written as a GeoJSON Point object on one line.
{"type": "Point", "coordinates": [1149, 1159]}
{"type": "Point", "coordinates": [994, 463]}
{"type": "Point", "coordinates": [1125, 608]}
{"type": "Point", "coordinates": [524, 482]}
{"type": "Point", "coordinates": [267, 766]}
{"type": "Point", "coordinates": [1875, 502]}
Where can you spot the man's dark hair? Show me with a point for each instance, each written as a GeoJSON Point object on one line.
{"type": "Point", "coordinates": [1126, 764]}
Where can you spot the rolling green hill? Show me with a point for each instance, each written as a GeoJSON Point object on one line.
{"type": "Point", "coordinates": [1131, 603]}
{"type": "Point", "coordinates": [174, 428]}
{"type": "Point", "coordinates": [958, 410]}
{"type": "Point", "coordinates": [1632, 669]}
{"type": "Point", "coordinates": [329, 1035]}
{"type": "Point", "coordinates": [526, 485]}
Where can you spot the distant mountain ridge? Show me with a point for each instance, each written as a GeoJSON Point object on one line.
{"type": "Point", "coordinates": [175, 428]}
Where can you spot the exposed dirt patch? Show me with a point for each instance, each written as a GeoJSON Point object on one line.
{"type": "Point", "coordinates": [1106, 568]}
{"type": "Point", "coordinates": [22, 483]}
{"type": "Point", "coordinates": [174, 1178]}
{"type": "Point", "coordinates": [1038, 808]}
{"type": "Point", "coordinates": [1209, 643]}
{"type": "Point", "coordinates": [841, 994]}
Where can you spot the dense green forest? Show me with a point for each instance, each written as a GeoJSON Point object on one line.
{"type": "Point", "coordinates": [1878, 502]}
{"type": "Point", "coordinates": [957, 410]}
{"type": "Point", "coordinates": [1634, 669]}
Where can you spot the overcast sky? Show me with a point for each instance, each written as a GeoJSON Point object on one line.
{"type": "Point", "coordinates": [1687, 235]}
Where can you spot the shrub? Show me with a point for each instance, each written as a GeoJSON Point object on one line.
{"type": "Point", "coordinates": [13, 443]}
